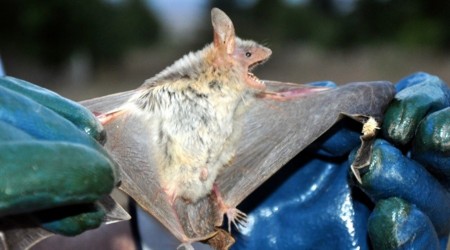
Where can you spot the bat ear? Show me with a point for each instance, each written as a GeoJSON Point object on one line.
{"type": "Point", "coordinates": [224, 37]}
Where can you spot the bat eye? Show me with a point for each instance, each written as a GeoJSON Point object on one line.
{"type": "Point", "coordinates": [248, 54]}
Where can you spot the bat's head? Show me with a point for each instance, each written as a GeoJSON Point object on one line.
{"type": "Point", "coordinates": [243, 54]}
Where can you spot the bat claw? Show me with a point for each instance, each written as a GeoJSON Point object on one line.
{"type": "Point", "coordinates": [234, 215]}
{"type": "Point", "coordinates": [185, 246]}
{"type": "Point", "coordinates": [237, 218]}
{"type": "Point", "coordinates": [107, 117]}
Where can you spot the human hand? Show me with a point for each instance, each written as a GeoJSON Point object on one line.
{"type": "Point", "coordinates": [410, 183]}
{"type": "Point", "coordinates": [309, 203]}
{"type": "Point", "coordinates": [51, 164]}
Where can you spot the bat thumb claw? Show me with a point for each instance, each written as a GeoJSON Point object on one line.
{"type": "Point", "coordinates": [107, 117]}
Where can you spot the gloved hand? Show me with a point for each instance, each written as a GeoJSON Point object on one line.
{"type": "Point", "coordinates": [51, 162]}
{"type": "Point", "coordinates": [309, 203]}
{"type": "Point", "coordinates": [410, 183]}
{"type": "Point", "coordinates": [312, 203]}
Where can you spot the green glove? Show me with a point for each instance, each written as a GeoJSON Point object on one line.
{"type": "Point", "coordinates": [410, 183]}
{"type": "Point", "coordinates": [51, 164]}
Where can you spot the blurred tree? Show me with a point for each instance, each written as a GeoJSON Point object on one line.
{"type": "Point", "coordinates": [53, 30]}
{"type": "Point", "coordinates": [411, 23]}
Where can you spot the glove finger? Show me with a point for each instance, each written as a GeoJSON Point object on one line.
{"type": "Point", "coordinates": [431, 146]}
{"type": "Point", "coordinates": [71, 220]}
{"type": "Point", "coordinates": [414, 79]}
{"type": "Point", "coordinates": [11, 133]}
{"type": "Point", "coordinates": [390, 174]}
{"type": "Point", "coordinates": [72, 111]}
{"type": "Point", "coordinates": [38, 121]}
{"type": "Point", "coordinates": [395, 224]}
{"type": "Point", "coordinates": [328, 84]}
{"type": "Point", "coordinates": [41, 122]}
{"type": "Point", "coordinates": [307, 205]}
{"type": "Point", "coordinates": [411, 105]}
{"type": "Point", "coordinates": [34, 175]}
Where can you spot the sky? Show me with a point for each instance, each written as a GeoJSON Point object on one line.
{"type": "Point", "coordinates": [180, 18]}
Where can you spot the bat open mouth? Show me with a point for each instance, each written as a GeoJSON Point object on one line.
{"type": "Point", "coordinates": [255, 82]}
{"type": "Point", "coordinates": [259, 56]}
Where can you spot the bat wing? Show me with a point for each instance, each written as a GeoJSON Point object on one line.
{"type": "Point", "coordinates": [127, 140]}
{"type": "Point", "coordinates": [274, 132]}
{"type": "Point", "coordinates": [105, 104]}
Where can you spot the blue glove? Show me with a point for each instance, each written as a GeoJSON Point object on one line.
{"type": "Point", "coordinates": [309, 204]}
{"type": "Point", "coordinates": [312, 203]}
{"type": "Point", "coordinates": [410, 184]}
{"type": "Point", "coordinates": [51, 164]}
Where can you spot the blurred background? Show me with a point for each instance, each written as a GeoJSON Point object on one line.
{"type": "Point", "coordinates": [83, 49]}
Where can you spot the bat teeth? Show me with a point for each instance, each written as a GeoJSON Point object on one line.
{"type": "Point", "coordinates": [253, 77]}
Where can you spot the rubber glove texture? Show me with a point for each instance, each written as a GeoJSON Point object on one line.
{"type": "Point", "coordinates": [52, 164]}
{"type": "Point", "coordinates": [409, 181]}
{"type": "Point", "coordinates": [315, 203]}
{"type": "Point", "coordinates": [309, 204]}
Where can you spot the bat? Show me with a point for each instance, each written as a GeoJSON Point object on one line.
{"type": "Point", "coordinates": [197, 138]}
{"type": "Point", "coordinates": [268, 123]}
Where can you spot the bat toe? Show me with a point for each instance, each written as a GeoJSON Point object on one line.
{"type": "Point", "coordinates": [236, 217]}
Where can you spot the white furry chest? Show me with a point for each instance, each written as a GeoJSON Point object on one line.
{"type": "Point", "coordinates": [194, 138]}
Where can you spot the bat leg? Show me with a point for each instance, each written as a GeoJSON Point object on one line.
{"type": "Point", "coordinates": [292, 93]}
{"type": "Point", "coordinates": [234, 215]}
{"type": "Point", "coordinates": [171, 193]}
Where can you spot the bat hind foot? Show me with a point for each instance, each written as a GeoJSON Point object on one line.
{"type": "Point", "coordinates": [236, 217]}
